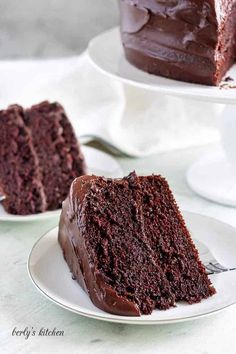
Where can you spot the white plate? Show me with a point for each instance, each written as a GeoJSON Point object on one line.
{"type": "Point", "coordinates": [106, 53]}
{"type": "Point", "coordinates": [98, 162]}
{"type": "Point", "coordinates": [46, 262]}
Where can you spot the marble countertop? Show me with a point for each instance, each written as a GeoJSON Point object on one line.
{"type": "Point", "coordinates": [23, 306]}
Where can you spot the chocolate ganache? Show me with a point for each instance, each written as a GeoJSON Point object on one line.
{"type": "Point", "coordinates": [187, 40]}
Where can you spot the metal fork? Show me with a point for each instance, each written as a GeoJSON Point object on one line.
{"type": "Point", "coordinates": [209, 261]}
{"type": "Point", "coordinates": [215, 267]}
{"type": "Point", "coordinates": [114, 149]}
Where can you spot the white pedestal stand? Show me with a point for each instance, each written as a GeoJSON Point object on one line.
{"type": "Point", "coordinates": [214, 175]}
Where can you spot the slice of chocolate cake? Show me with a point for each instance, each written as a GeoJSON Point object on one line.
{"type": "Point", "coordinates": [127, 245]}
{"type": "Point", "coordinates": [187, 40]}
{"type": "Point", "coordinates": [20, 178]}
{"type": "Point", "coordinates": [59, 155]}
{"type": "Point", "coordinates": [39, 158]}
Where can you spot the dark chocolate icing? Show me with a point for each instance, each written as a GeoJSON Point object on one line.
{"type": "Point", "coordinates": [74, 250]}
{"type": "Point", "coordinates": [134, 20]}
{"type": "Point", "coordinates": [176, 38]}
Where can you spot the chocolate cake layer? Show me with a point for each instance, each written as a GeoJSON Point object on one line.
{"type": "Point", "coordinates": [20, 178]}
{"type": "Point", "coordinates": [127, 245]}
{"type": "Point", "coordinates": [187, 40]}
{"type": "Point", "coordinates": [59, 154]}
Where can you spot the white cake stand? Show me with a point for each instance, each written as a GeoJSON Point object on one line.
{"type": "Point", "coordinates": [214, 175]}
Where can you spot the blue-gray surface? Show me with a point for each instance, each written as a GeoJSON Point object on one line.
{"type": "Point", "coordinates": [51, 28]}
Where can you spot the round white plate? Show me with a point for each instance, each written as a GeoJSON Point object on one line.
{"type": "Point", "coordinates": [46, 262]}
{"type": "Point", "coordinates": [107, 55]}
{"type": "Point", "coordinates": [98, 162]}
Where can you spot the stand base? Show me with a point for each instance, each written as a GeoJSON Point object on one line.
{"type": "Point", "coordinates": [213, 177]}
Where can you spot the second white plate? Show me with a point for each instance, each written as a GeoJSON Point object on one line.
{"type": "Point", "coordinates": [98, 162]}
{"type": "Point", "coordinates": [46, 262]}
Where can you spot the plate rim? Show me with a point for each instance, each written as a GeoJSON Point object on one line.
{"type": "Point", "coordinates": [124, 319]}
{"type": "Point", "coordinates": [180, 92]}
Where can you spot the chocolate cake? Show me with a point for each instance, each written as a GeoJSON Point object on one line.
{"type": "Point", "coordinates": [187, 40]}
{"type": "Point", "coordinates": [39, 158]}
{"type": "Point", "coordinates": [127, 245]}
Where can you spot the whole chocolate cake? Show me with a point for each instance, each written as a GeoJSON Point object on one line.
{"type": "Point", "coordinates": [127, 245]}
{"type": "Point", "coordinates": [187, 40]}
{"type": "Point", "coordinates": [39, 158]}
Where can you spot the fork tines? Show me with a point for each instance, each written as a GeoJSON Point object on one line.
{"type": "Point", "coordinates": [215, 268]}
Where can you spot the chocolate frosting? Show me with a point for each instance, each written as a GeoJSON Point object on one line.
{"type": "Point", "coordinates": [173, 38]}
{"type": "Point", "coordinates": [75, 253]}
{"type": "Point", "coordinates": [134, 20]}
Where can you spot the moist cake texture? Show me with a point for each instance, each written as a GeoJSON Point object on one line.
{"type": "Point", "coordinates": [187, 40]}
{"type": "Point", "coordinates": [39, 158]}
{"type": "Point", "coordinates": [60, 158]}
{"type": "Point", "coordinates": [127, 245]}
{"type": "Point", "coordinates": [20, 180]}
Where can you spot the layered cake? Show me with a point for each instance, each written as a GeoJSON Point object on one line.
{"type": "Point", "coordinates": [39, 158]}
{"type": "Point", "coordinates": [187, 40]}
{"type": "Point", "coordinates": [127, 245]}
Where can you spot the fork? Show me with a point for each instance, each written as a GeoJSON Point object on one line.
{"type": "Point", "coordinates": [2, 197]}
{"type": "Point", "coordinates": [215, 267]}
{"type": "Point", "coordinates": [212, 265]}
{"type": "Point", "coordinates": [114, 149]}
